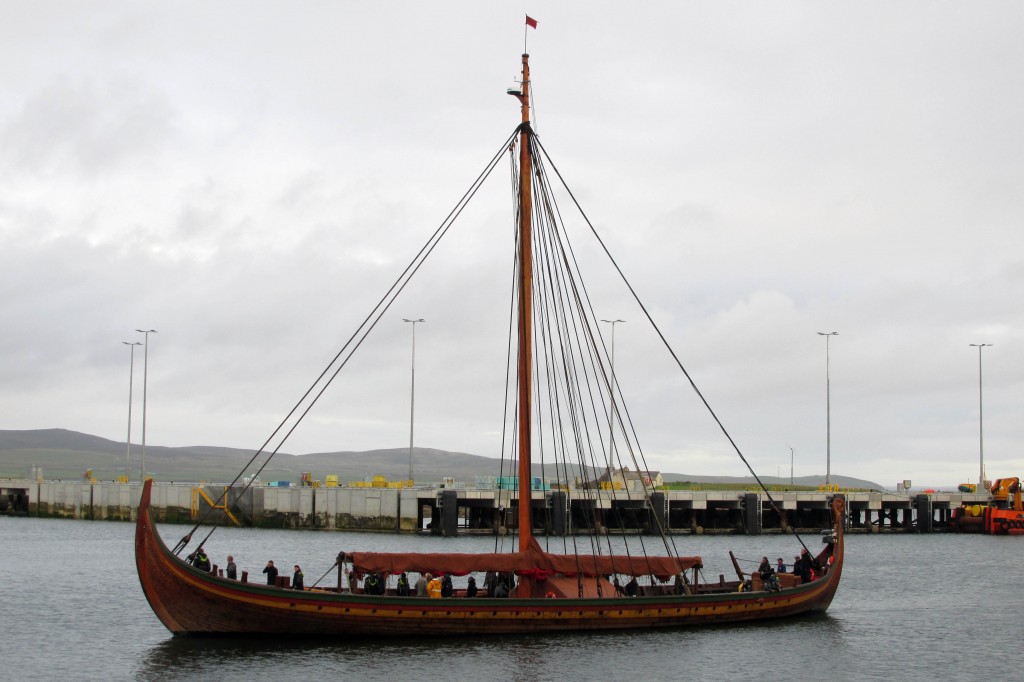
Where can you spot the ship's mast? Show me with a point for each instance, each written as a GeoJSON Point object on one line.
{"type": "Point", "coordinates": [525, 314]}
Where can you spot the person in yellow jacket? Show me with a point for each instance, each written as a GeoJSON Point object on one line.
{"type": "Point", "coordinates": [433, 587]}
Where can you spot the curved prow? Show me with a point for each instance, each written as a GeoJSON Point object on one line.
{"type": "Point", "coordinates": [830, 559]}
{"type": "Point", "coordinates": [151, 557]}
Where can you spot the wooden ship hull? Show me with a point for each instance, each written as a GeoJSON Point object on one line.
{"type": "Point", "coordinates": [192, 602]}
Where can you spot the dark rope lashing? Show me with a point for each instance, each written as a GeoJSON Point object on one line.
{"type": "Point", "coordinates": [508, 352]}
{"type": "Point", "coordinates": [582, 304]}
{"type": "Point", "coordinates": [546, 294]}
{"type": "Point", "coordinates": [182, 543]}
{"type": "Point", "coordinates": [551, 353]}
{"type": "Point", "coordinates": [559, 275]}
{"type": "Point", "coordinates": [661, 335]}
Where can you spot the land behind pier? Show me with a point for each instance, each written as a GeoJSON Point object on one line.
{"type": "Point", "coordinates": [64, 454]}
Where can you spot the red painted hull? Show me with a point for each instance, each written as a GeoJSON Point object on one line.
{"type": "Point", "coordinates": [190, 602]}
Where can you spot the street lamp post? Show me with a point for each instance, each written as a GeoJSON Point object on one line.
{"type": "Point", "coordinates": [611, 410]}
{"type": "Point", "coordinates": [131, 384]}
{"type": "Point", "coordinates": [981, 432]}
{"type": "Point", "coordinates": [828, 411]}
{"type": "Point", "coordinates": [412, 392]}
{"type": "Point", "coordinates": [145, 383]}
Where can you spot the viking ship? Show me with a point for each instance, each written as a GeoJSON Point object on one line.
{"type": "Point", "coordinates": [529, 588]}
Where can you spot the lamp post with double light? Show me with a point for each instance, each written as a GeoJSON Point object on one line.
{"type": "Point", "coordinates": [828, 411]}
{"type": "Point", "coordinates": [611, 409]}
{"type": "Point", "coordinates": [131, 384]}
{"type": "Point", "coordinates": [145, 391]}
{"type": "Point", "coordinates": [981, 430]}
{"type": "Point", "coordinates": [412, 393]}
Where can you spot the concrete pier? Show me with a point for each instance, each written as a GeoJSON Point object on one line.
{"type": "Point", "coordinates": [452, 511]}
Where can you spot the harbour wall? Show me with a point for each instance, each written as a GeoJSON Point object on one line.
{"type": "Point", "coordinates": [468, 510]}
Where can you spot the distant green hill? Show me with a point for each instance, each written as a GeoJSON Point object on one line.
{"type": "Point", "coordinates": [68, 454]}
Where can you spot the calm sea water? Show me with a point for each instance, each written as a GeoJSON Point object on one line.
{"type": "Point", "coordinates": [909, 607]}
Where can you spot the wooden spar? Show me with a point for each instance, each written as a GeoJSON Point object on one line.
{"type": "Point", "coordinates": [525, 366]}
{"type": "Point", "coordinates": [736, 566]}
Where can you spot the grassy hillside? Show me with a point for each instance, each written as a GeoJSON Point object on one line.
{"type": "Point", "coordinates": [68, 454]}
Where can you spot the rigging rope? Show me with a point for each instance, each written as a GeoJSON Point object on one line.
{"type": "Point", "coordinates": [570, 359]}
{"type": "Point", "coordinates": [361, 333]}
{"type": "Point", "coordinates": [662, 337]}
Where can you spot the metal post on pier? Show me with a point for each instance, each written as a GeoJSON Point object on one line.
{"type": "Point", "coordinates": [145, 384]}
{"type": "Point", "coordinates": [131, 384]}
{"type": "Point", "coordinates": [828, 411]}
{"type": "Point", "coordinates": [412, 394]}
{"type": "Point", "coordinates": [981, 429]}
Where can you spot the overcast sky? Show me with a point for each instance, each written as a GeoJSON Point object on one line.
{"type": "Point", "coordinates": [248, 177]}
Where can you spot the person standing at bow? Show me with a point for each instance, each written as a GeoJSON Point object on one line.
{"type": "Point", "coordinates": [271, 572]}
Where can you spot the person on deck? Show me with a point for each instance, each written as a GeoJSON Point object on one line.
{"type": "Point", "coordinates": [765, 569]}
{"type": "Point", "coordinates": [471, 587]}
{"type": "Point", "coordinates": [231, 571]}
{"type": "Point", "coordinates": [678, 586]}
{"type": "Point", "coordinates": [781, 566]}
{"type": "Point", "coordinates": [632, 587]}
{"type": "Point", "coordinates": [433, 587]}
{"type": "Point", "coordinates": [297, 578]}
{"type": "Point", "coordinates": [372, 584]}
{"type": "Point", "coordinates": [200, 560]}
{"type": "Point", "coordinates": [421, 585]}
{"type": "Point", "coordinates": [271, 572]}
{"type": "Point", "coordinates": [447, 589]}
{"type": "Point", "coordinates": [403, 586]}
{"type": "Point", "coordinates": [805, 566]}
{"type": "Point", "coordinates": [490, 582]}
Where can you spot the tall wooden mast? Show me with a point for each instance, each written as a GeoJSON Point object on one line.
{"type": "Point", "coordinates": [525, 368]}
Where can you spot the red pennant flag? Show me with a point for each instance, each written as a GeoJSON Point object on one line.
{"type": "Point", "coordinates": [532, 23]}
